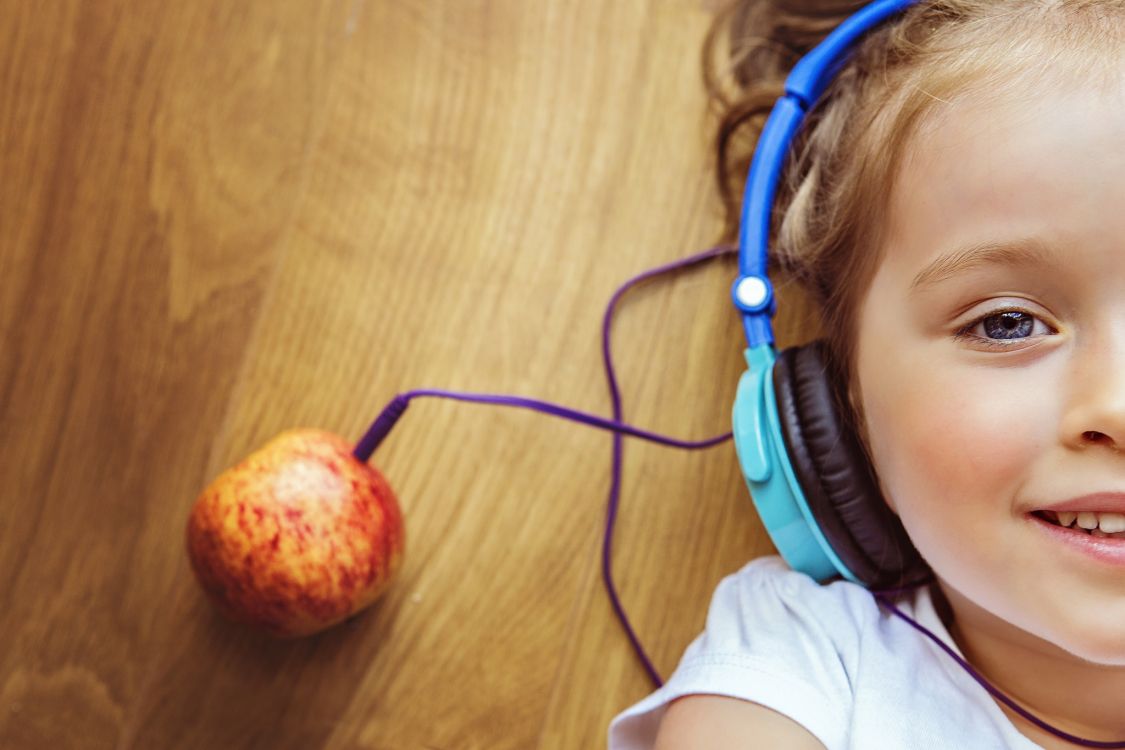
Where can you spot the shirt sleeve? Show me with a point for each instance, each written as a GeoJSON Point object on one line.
{"type": "Point", "coordinates": [773, 636]}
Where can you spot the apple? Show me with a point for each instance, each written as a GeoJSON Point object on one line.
{"type": "Point", "coordinates": [298, 536]}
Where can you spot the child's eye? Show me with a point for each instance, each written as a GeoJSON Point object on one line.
{"type": "Point", "coordinates": [996, 329]}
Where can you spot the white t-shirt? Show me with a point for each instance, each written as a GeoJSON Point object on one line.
{"type": "Point", "coordinates": [831, 659]}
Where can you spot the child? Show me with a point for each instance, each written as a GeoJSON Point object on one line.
{"type": "Point", "coordinates": [955, 205]}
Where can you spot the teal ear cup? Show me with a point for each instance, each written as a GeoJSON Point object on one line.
{"type": "Point", "coordinates": [809, 477]}
{"type": "Point", "coordinates": [774, 488]}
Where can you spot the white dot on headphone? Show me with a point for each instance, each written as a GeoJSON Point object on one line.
{"type": "Point", "coordinates": [751, 291]}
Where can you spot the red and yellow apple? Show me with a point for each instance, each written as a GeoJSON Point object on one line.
{"type": "Point", "coordinates": [298, 536]}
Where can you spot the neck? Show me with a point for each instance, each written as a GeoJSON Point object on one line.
{"type": "Point", "coordinates": [1077, 696]}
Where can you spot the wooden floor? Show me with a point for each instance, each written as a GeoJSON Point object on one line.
{"type": "Point", "coordinates": [222, 219]}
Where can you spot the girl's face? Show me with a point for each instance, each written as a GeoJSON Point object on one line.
{"type": "Point", "coordinates": [991, 355]}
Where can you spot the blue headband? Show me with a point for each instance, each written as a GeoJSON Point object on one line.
{"type": "Point", "coordinates": [752, 292]}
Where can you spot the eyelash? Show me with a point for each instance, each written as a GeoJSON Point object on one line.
{"type": "Point", "coordinates": [994, 344]}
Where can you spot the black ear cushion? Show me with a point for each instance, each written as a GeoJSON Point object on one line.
{"type": "Point", "coordinates": [838, 480]}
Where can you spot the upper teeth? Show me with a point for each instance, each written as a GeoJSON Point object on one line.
{"type": "Point", "coordinates": [1110, 523]}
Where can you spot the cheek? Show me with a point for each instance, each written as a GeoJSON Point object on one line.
{"type": "Point", "coordinates": [945, 437]}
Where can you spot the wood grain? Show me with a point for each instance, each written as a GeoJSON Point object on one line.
{"type": "Point", "coordinates": [219, 220]}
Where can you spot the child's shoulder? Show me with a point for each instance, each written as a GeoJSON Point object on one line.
{"type": "Point", "coordinates": [769, 617]}
{"type": "Point", "coordinates": [829, 658]}
{"type": "Point", "coordinates": [807, 650]}
{"type": "Point", "coordinates": [766, 592]}
{"type": "Point", "coordinates": [772, 572]}
{"type": "Point", "coordinates": [795, 637]}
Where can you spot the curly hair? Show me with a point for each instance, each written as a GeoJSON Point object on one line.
{"type": "Point", "coordinates": [829, 216]}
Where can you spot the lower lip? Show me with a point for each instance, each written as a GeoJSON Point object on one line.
{"type": "Point", "coordinates": [1103, 549]}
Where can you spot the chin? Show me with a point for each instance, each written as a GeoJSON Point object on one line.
{"type": "Point", "coordinates": [1101, 646]}
{"type": "Point", "coordinates": [1091, 629]}
{"type": "Point", "coordinates": [1083, 633]}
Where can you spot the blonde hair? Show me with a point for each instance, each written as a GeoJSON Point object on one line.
{"type": "Point", "coordinates": [829, 215]}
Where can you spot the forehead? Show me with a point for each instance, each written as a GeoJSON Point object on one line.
{"type": "Point", "coordinates": [1036, 158]}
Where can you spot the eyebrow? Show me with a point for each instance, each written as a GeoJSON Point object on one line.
{"type": "Point", "coordinates": [1021, 252]}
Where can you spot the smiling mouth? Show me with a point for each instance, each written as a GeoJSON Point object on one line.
{"type": "Point", "coordinates": [1110, 525]}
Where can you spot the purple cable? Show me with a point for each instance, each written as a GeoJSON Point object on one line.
{"type": "Point", "coordinates": [395, 409]}
{"type": "Point", "coordinates": [615, 485]}
{"type": "Point", "coordinates": [391, 413]}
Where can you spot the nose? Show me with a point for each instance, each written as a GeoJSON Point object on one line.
{"type": "Point", "coordinates": [1095, 414]}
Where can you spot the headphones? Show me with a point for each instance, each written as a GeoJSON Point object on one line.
{"type": "Point", "coordinates": [808, 475]}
